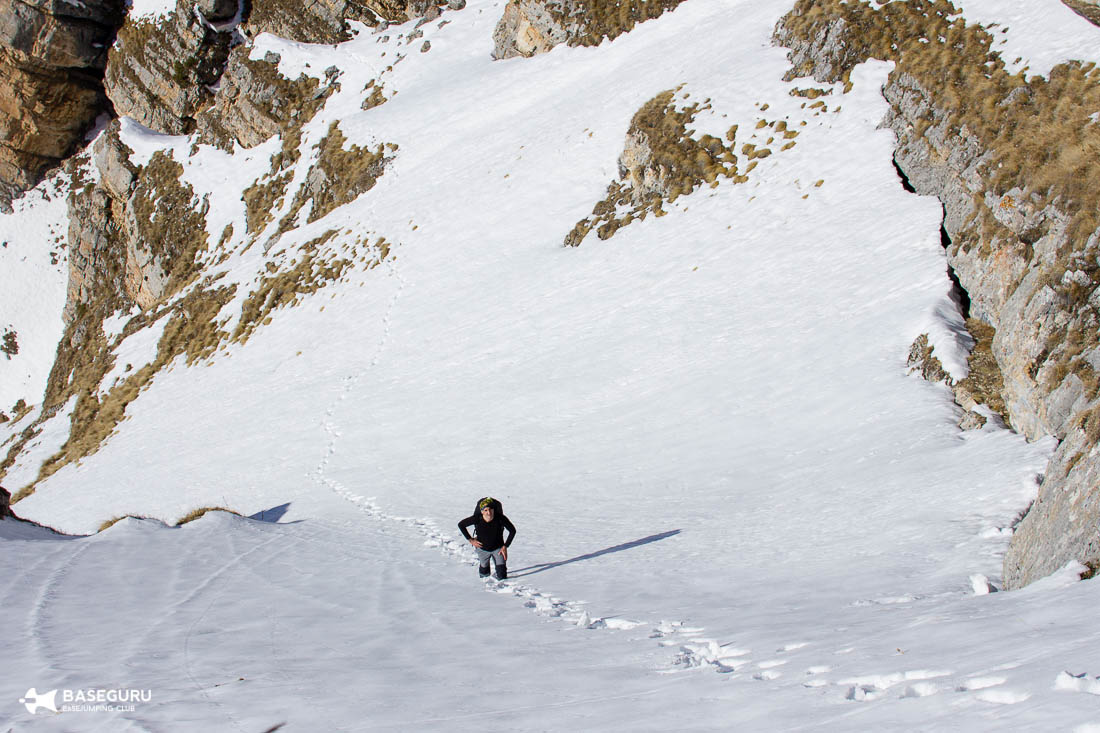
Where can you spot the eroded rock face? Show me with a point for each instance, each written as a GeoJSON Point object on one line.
{"type": "Point", "coordinates": [530, 27]}
{"type": "Point", "coordinates": [1022, 243]}
{"type": "Point", "coordinates": [52, 56]}
{"type": "Point", "coordinates": [254, 102]}
{"type": "Point", "coordinates": [527, 28]}
{"type": "Point", "coordinates": [134, 236]}
{"type": "Point", "coordinates": [326, 21]}
{"type": "Point", "coordinates": [160, 72]}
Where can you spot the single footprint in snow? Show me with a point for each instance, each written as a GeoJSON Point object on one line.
{"type": "Point", "coordinates": [1077, 683]}
{"type": "Point", "coordinates": [920, 689]}
{"type": "Point", "coordinates": [791, 647]}
{"type": "Point", "coordinates": [818, 669]}
{"type": "Point", "coordinates": [767, 674]}
{"type": "Point", "coordinates": [769, 663]}
{"type": "Point", "coordinates": [863, 693]}
{"type": "Point", "coordinates": [980, 683]}
{"type": "Point", "coordinates": [1001, 696]}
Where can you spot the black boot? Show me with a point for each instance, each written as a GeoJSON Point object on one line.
{"type": "Point", "coordinates": [502, 571]}
{"type": "Point", "coordinates": [483, 571]}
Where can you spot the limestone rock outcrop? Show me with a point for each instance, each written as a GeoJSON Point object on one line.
{"type": "Point", "coordinates": [326, 21]}
{"type": "Point", "coordinates": [530, 27]}
{"type": "Point", "coordinates": [160, 72]}
{"type": "Point", "coordinates": [1020, 228]}
{"type": "Point", "coordinates": [134, 236]}
{"type": "Point", "coordinates": [254, 102]}
{"type": "Point", "coordinates": [52, 56]}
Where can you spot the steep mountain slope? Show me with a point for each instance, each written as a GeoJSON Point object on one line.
{"type": "Point", "coordinates": [700, 416]}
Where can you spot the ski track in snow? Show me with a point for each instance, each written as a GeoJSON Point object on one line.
{"type": "Point", "coordinates": [38, 621]}
{"type": "Point", "coordinates": [206, 583]}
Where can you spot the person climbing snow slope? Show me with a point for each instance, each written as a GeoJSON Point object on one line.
{"type": "Point", "coordinates": [489, 523]}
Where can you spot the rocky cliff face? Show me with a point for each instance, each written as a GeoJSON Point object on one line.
{"type": "Point", "coordinates": [530, 27]}
{"type": "Point", "coordinates": [161, 71]}
{"type": "Point", "coordinates": [52, 57]}
{"type": "Point", "coordinates": [1008, 160]}
{"type": "Point", "coordinates": [326, 21]}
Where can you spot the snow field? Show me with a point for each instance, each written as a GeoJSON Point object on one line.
{"type": "Point", "coordinates": [731, 498]}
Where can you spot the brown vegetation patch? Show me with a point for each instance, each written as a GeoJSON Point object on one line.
{"type": "Point", "coordinates": [375, 95]}
{"type": "Point", "coordinates": [192, 516]}
{"type": "Point", "coordinates": [338, 177]}
{"type": "Point", "coordinates": [115, 520]}
{"type": "Point", "coordinates": [262, 199]}
{"type": "Point", "coordinates": [168, 223]}
{"type": "Point", "coordinates": [662, 160]}
{"type": "Point", "coordinates": [10, 344]}
{"type": "Point", "coordinates": [1088, 11]}
{"type": "Point", "coordinates": [983, 381]}
{"type": "Point", "coordinates": [312, 270]}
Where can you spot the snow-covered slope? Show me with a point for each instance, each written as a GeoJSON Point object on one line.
{"type": "Point", "coordinates": [33, 274]}
{"type": "Point", "coordinates": [735, 507]}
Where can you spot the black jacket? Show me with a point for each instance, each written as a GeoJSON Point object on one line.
{"type": "Point", "coordinates": [489, 534]}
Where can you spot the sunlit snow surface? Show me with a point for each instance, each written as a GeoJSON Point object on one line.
{"type": "Point", "coordinates": [33, 274]}
{"type": "Point", "coordinates": [735, 508]}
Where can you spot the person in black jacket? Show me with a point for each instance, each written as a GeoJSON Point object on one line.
{"type": "Point", "coordinates": [489, 524]}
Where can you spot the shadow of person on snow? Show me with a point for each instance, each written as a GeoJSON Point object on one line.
{"type": "Point", "coordinates": [274, 514]}
{"type": "Point", "coordinates": [531, 570]}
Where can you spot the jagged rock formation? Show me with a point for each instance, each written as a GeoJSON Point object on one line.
{"type": "Point", "coordinates": [134, 236]}
{"type": "Point", "coordinates": [1010, 161]}
{"type": "Point", "coordinates": [983, 384]}
{"type": "Point", "coordinates": [255, 103]}
{"type": "Point", "coordinates": [530, 27]}
{"type": "Point", "coordinates": [52, 56]}
{"type": "Point", "coordinates": [163, 72]}
{"type": "Point", "coordinates": [326, 21]}
{"type": "Point", "coordinates": [160, 72]}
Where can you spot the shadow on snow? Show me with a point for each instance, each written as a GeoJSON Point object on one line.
{"type": "Point", "coordinates": [531, 570]}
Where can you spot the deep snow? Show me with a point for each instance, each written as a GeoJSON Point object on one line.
{"type": "Point", "coordinates": [735, 507]}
